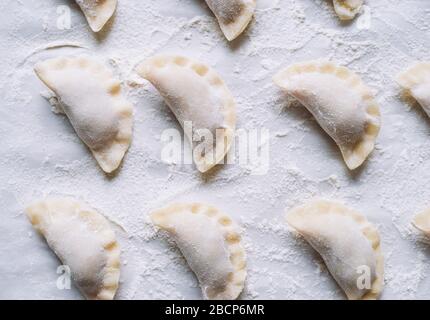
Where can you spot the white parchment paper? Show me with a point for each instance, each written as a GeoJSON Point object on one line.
{"type": "Point", "coordinates": [40, 155]}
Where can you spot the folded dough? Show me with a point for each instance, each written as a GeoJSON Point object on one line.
{"type": "Point", "coordinates": [97, 12]}
{"type": "Point", "coordinates": [83, 240]}
{"type": "Point", "coordinates": [340, 102]}
{"type": "Point", "coordinates": [348, 244]}
{"type": "Point", "coordinates": [91, 98]}
{"type": "Point", "coordinates": [416, 81]}
{"type": "Point", "coordinates": [422, 222]}
{"type": "Point", "coordinates": [196, 94]}
{"type": "Point", "coordinates": [210, 243]}
{"type": "Point", "coordinates": [233, 15]}
{"type": "Point", "coordinates": [347, 9]}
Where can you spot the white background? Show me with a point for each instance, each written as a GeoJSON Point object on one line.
{"type": "Point", "coordinates": [40, 155]}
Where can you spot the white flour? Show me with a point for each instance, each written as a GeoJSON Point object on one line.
{"type": "Point", "coordinates": [41, 155]}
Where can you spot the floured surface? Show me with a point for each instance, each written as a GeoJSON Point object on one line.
{"type": "Point", "coordinates": [41, 155]}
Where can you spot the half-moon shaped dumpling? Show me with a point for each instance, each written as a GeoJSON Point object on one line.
{"type": "Point", "coordinates": [233, 15]}
{"type": "Point", "coordinates": [83, 240]}
{"type": "Point", "coordinates": [97, 12]}
{"type": "Point", "coordinates": [348, 244]}
{"type": "Point", "coordinates": [91, 98]}
{"type": "Point", "coordinates": [416, 81]}
{"type": "Point", "coordinates": [422, 222]}
{"type": "Point", "coordinates": [342, 105]}
{"type": "Point", "coordinates": [196, 95]}
{"type": "Point", "coordinates": [347, 9]}
{"type": "Point", "coordinates": [210, 243]}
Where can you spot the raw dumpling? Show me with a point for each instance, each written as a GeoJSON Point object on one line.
{"type": "Point", "coordinates": [91, 99]}
{"type": "Point", "coordinates": [348, 244]}
{"type": "Point", "coordinates": [83, 240]}
{"type": "Point", "coordinates": [210, 243]}
{"type": "Point", "coordinates": [97, 12]}
{"type": "Point", "coordinates": [195, 93]}
{"type": "Point", "coordinates": [422, 222]}
{"type": "Point", "coordinates": [342, 105]}
{"type": "Point", "coordinates": [347, 9]}
{"type": "Point", "coordinates": [233, 15]}
{"type": "Point", "coordinates": [416, 81]}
